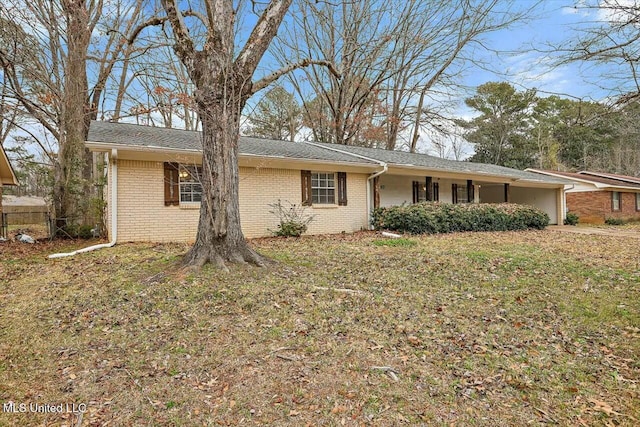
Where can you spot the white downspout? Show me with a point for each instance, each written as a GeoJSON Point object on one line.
{"type": "Point", "coordinates": [369, 196]}
{"type": "Point", "coordinates": [113, 160]}
{"type": "Point", "coordinates": [385, 168]}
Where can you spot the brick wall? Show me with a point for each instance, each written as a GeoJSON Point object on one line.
{"type": "Point", "coordinates": [142, 215]}
{"type": "Point", "coordinates": [595, 206]}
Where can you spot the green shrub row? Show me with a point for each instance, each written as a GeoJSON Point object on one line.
{"type": "Point", "coordinates": [436, 217]}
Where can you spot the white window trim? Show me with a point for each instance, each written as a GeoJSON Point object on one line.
{"type": "Point", "coordinates": [317, 204]}
{"type": "Point", "coordinates": [190, 203]}
{"type": "Point", "coordinates": [613, 200]}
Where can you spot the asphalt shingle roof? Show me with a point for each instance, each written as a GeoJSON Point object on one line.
{"type": "Point", "coordinates": [583, 176]}
{"type": "Point", "coordinates": [164, 138]}
{"type": "Point", "coordinates": [613, 176]}
{"type": "Point", "coordinates": [403, 158]}
{"type": "Point", "coordinates": [175, 139]}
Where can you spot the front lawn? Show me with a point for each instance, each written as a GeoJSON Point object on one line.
{"type": "Point", "coordinates": [489, 329]}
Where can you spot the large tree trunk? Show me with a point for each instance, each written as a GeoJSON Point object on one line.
{"type": "Point", "coordinates": [73, 164]}
{"type": "Point", "coordinates": [220, 236]}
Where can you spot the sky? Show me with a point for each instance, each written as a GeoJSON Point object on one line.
{"type": "Point", "coordinates": [525, 60]}
{"type": "Point", "coordinates": [523, 56]}
{"type": "Point", "coordinates": [516, 55]}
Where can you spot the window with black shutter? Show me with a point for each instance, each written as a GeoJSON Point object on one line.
{"type": "Point", "coordinates": [342, 189]}
{"type": "Point", "coordinates": [306, 187]}
{"type": "Point", "coordinates": [171, 184]}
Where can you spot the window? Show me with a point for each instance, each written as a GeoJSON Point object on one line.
{"type": "Point", "coordinates": [462, 194]}
{"type": "Point", "coordinates": [190, 186]}
{"type": "Point", "coordinates": [459, 193]}
{"type": "Point", "coordinates": [638, 201]}
{"type": "Point", "coordinates": [323, 188]}
{"type": "Point", "coordinates": [419, 192]}
{"type": "Point", "coordinates": [615, 200]}
{"type": "Point", "coordinates": [425, 191]}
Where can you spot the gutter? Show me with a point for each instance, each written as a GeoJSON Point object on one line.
{"type": "Point", "coordinates": [114, 212]}
{"type": "Point", "coordinates": [385, 168]}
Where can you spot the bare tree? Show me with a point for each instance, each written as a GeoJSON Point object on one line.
{"type": "Point", "coordinates": [610, 35]}
{"type": "Point", "coordinates": [222, 75]}
{"type": "Point", "coordinates": [393, 57]}
{"type": "Point", "coordinates": [52, 83]}
{"type": "Point", "coordinates": [153, 86]}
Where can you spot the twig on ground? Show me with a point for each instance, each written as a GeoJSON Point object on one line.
{"type": "Point", "coordinates": [388, 370]}
{"type": "Point", "coordinates": [346, 290]}
{"type": "Point", "coordinates": [289, 358]}
{"type": "Point", "coordinates": [546, 415]}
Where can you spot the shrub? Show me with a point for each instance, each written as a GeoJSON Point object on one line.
{"type": "Point", "coordinates": [571, 219]}
{"type": "Point", "coordinates": [75, 231]}
{"type": "Point", "coordinates": [436, 217]}
{"type": "Point", "coordinates": [614, 221]}
{"type": "Point", "coordinates": [293, 219]}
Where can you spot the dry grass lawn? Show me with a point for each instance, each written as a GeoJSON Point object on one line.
{"type": "Point", "coordinates": [487, 329]}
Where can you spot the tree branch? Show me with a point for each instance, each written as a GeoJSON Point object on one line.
{"type": "Point", "coordinates": [37, 141]}
{"type": "Point", "coordinates": [267, 80]}
{"type": "Point", "coordinates": [10, 72]}
{"type": "Point", "coordinates": [151, 22]}
{"type": "Point", "coordinates": [184, 47]}
{"type": "Point", "coordinates": [261, 36]}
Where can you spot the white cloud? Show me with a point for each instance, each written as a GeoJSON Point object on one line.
{"type": "Point", "coordinates": [617, 11]}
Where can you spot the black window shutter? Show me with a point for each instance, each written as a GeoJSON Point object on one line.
{"type": "Point", "coordinates": [342, 189]}
{"type": "Point", "coordinates": [416, 191]}
{"type": "Point", "coordinates": [171, 184]}
{"type": "Point", "coordinates": [470, 193]}
{"type": "Point", "coordinates": [306, 187]}
{"type": "Point", "coordinates": [454, 193]}
{"type": "Point", "coordinates": [436, 191]}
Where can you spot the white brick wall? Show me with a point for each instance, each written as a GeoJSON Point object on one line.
{"type": "Point", "coordinates": [142, 215]}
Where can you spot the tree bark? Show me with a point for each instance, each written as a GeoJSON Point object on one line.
{"type": "Point", "coordinates": [73, 164]}
{"type": "Point", "coordinates": [220, 238]}
{"type": "Point", "coordinates": [223, 85]}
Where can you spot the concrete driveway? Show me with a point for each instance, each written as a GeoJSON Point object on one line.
{"type": "Point", "coordinates": [601, 230]}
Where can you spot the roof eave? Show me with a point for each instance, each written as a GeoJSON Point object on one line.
{"type": "Point", "coordinates": [12, 179]}
{"type": "Point", "coordinates": [475, 173]}
{"type": "Point", "coordinates": [630, 180]}
{"type": "Point", "coordinates": [107, 146]}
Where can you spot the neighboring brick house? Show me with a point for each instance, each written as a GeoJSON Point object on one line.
{"type": "Point", "coordinates": [7, 177]}
{"type": "Point", "coordinates": [154, 172]}
{"type": "Point", "coordinates": [596, 196]}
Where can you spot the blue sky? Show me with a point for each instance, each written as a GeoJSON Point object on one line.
{"type": "Point", "coordinates": [525, 63]}
{"type": "Point", "coordinates": [521, 60]}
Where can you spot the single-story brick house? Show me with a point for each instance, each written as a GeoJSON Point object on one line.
{"type": "Point", "coordinates": [7, 177]}
{"type": "Point", "coordinates": [153, 192]}
{"type": "Point", "coordinates": [596, 196]}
